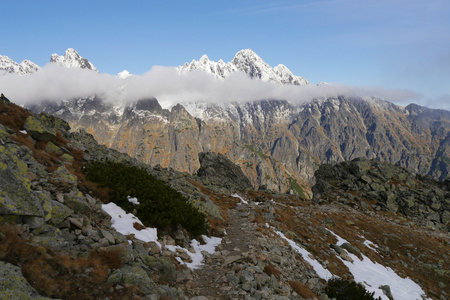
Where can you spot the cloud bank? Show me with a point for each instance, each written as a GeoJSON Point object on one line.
{"type": "Point", "coordinates": [54, 82]}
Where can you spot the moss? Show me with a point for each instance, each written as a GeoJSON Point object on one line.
{"type": "Point", "coordinates": [67, 157]}
{"type": "Point", "coordinates": [3, 166]}
{"type": "Point", "coordinates": [50, 147]}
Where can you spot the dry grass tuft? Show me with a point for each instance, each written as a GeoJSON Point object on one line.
{"type": "Point", "coordinates": [13, 116]}
{"type": "Point", "coordinates": [271, 270]}
{"type": "Point", "coordinates": [302, 290]}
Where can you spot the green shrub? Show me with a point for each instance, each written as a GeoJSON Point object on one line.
{"type": "Point", "coordinates": [347, 290]}
{"type": "Point", "coordinates": [160, 205]}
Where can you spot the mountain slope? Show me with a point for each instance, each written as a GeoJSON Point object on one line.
{"type": "Point", "coordinates": [249, 63]}
{"type": "Point", "coordinates": [278, 145]}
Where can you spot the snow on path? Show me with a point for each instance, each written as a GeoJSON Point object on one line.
{"type": "Point", "coordinates": [197, 257]}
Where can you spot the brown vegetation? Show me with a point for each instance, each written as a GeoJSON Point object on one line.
{"type": "Point", "coordinates": [271, 270]}
{"type": "Point", "coordinates": [302, 290]}
{"type": "Point", "coordinates": [62, 275]}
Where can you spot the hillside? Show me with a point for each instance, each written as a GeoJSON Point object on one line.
{"type": "Point", "coordinates": [58, 241]}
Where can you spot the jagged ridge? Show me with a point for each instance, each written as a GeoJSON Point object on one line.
{"type": "Point", "coordinates": [249, 63]}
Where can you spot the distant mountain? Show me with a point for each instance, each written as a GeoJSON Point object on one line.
{"type": "Point", "coordinates": [71, 59]}
{"type": "Point", "coordinates": [249, 63]}
{"type": "Point", "coordinates": [24, 68]}
{"type": "Point", "coordinates": [277, 144]}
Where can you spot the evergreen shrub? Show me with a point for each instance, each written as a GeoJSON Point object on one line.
{"type": "Point", "coordinates": [341, 289]}
{"type": "Point", "coordinates": [159, 205]}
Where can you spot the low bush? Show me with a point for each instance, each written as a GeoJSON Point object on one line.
{"type": "Point", "coordinates": [159, 205]}
{"type": "Point", "coordinates": [341, 289]}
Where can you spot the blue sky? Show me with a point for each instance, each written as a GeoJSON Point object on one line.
{"type": "Point", "coordinates": [390, 44]}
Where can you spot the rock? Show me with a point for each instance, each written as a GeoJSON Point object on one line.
{"type": "Point", "coordinates": [387, 291]}
{"type": "Point", "coordinates": [351, 249]}
{"type": "Point", "coordinates": [38, 130]}
{"type": "Point", "coordinates": [130, 275]}
{"type": "Point", "coordinates": [231, 259]}
{"type": "Point", "coordinates": [222, 171]}
{"type": "Point", "coordinates": [108, 236]}
{"type": "Point", "coordinates": [75, 201]}
{"type": "Point", "coordinates": [164, 268]}
{"type": "Point", "coordinates": [14, 286]}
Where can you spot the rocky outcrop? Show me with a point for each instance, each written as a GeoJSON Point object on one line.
{"type": "Point", "coordinates": [222, 172]}
{"type": "Point", "coordinates": [390, 187]}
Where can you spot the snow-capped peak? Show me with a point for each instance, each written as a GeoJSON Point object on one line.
{"type": "Point", "coordinates": [124, 74]}
{"type": "Point", "coordinates": [71, 59]}
{"type": "Point", "coordinates": [24, 68]}
{"type": "Point", "coordinates": [248, 62]}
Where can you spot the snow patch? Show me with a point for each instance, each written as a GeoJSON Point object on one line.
{"type": "Point", "coordinates": [373, 275]}
{"type": "Point", "coordinates": [321, 271]}
{"type": "Point", "coordinates": [123, 222]}
{"type": "Point", "coordinates": [238, 196]}
{"type": "Point", "coordinates": [133, 200]}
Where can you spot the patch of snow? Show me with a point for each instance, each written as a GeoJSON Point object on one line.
{"type": "Point", "coordinates": [23, 131]}
{"type": "Point", "coordinates": [197, 257]}
{"type": "Point", "coordinates": [320, 270]}
{"type": "Point", "coordinates": [238, 196]}
{"type": "Point", "coordinates": [370, 245]}
{"type": "Point", "coordinates": [133, 200]}
{"type": "Point", "coordinates": [123, 222]}
{"type": "Point", "coordinates": [373, 275]}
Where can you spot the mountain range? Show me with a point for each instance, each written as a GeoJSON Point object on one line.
{"type": "Point", "coordinates": [278, 144]}
{"type": "Point", "coordinates": [296, 201]}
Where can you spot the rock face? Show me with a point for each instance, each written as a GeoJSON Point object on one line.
{"type": "Point", "coordinates": [392, 188]}
{"type": "Point", "coordinates": [220, 169]}
{"type": "Point", "coordinates": [277, 144]}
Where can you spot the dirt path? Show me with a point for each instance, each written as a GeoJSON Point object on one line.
{"type": "Point", "coordinates": [211, 279]}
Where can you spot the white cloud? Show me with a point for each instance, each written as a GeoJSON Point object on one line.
{"type": "Point", "coordinates": [169, 87]}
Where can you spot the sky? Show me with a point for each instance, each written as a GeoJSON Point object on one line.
{"type": "Point", "coordinates": [373, 44]}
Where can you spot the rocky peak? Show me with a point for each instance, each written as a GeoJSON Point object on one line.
{"type": "Point", "coordinates": [124, 74]}
{"type": "Point", "coordinates": [24, 68]}
{"type": "Point", "coordinates": [71, 59]}
{"type": "Point", "coordinates": [248, 62]}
